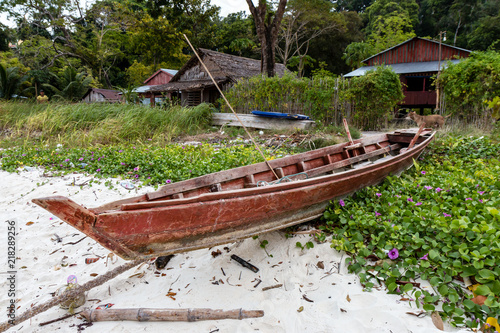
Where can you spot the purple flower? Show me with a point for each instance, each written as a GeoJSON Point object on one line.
{"type": "Point", "coordinates": [80, 159]}
{"type": "Point", "coordinates": [410, 199]}
{"type": "Point", "coordinates": [446, 215]}
{"type": "Point", "coordinates": [425, 257]}
{"type": "Point", "coordinates": [379, 194]}
{"type": "Point", "coordinates": [423, 172]}
{"type": "Point", "coordinates": [122, 163]}
{"type": "Point", "coordinates": [418, 204]}
{"type": "Point", "coordinates": [392, 225]}
{"type": "Point", "coordinates": [120, 151]}
{"type": "Point", "coordinates": [168, 181]}
{"type": "Point", "coordinates": [24, 155]}
{"type": "Point", "coordinates": [136, 176]}
{"type": "Point", "coordinates": [438, 189]}
{"type": "Point", "coordinates": [66, 160]}
{"type": "Point", "coordinates": [393, 254]}
{"type": "Point", "coordinates": [480, 200]}
{"type": "Point", "coordinates": [136, 169]}
{"type": "Point", "coordinates": [98, 170]}
{"type": "Point", "coordinates": [377, 213]}
{"type": "Point", "coordinates": [468, 199]}
{"type": "Point", "coordinates": [428, 187]}
{"type": "Point", "coordinates": [341, 203]}
{"type": "Point", "coordinates": [480, 192]}
{"type": "Point", "coordinates": [398, 196]}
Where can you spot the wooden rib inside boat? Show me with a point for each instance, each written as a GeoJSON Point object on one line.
{"type": "Point", "coordinates": [229, 205]}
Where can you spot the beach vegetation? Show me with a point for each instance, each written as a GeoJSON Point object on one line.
{"type": "Point", "coordinates": [431, 235]}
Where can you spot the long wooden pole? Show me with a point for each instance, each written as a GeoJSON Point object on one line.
{"type": "Point", "coordinates": [230, 107]}
{"type": "Point", "coordinates": [143, 314]}
{"type": "Point", "coordinates": [71, 294]}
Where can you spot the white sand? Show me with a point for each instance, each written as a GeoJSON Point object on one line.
{"type": "Point", "coordinates": [339, 304]}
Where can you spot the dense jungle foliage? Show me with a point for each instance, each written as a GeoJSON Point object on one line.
{"type": "Point", "coordinates": [121, 43]}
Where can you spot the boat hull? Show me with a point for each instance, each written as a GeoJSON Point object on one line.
{"type": "Point", "coordinates": [168, 226]}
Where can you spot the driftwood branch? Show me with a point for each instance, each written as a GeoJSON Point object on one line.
{"type": "Point", "coordinates": [71, 294]}
{"type": "Point", "coordinates": [143, 314]}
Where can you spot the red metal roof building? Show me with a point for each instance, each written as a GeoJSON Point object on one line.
{"type": "Point", "coordinates": [417, 61]}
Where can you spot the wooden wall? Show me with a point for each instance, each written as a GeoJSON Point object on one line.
{"type": "Point", "coordinates": [416, 50]}
{"type": "Point", "coordinates": [160, 78]}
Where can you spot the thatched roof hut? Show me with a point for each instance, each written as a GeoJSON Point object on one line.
{"type": "Point", "coordinates": [194, 86]}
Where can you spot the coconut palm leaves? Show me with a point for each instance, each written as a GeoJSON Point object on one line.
{"type": "Point", "coordinates": [70, 85]}
{"type": "Point", "coordinates": [10, 81]}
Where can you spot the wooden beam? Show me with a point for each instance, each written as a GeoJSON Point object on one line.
{"type": "Point", "coordinates": [253, 121]}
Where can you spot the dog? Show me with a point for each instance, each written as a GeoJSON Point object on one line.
{"type": "Point", "coordinates": [433, 120]}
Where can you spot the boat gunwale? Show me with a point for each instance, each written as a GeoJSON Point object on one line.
{"type": "Point", "coordinates": [247, 171]}
{"type": "Point", "coordinates": [244, 192]}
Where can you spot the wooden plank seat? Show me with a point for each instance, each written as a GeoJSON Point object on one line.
{"type": "Point", "coordinates": [310, 173]}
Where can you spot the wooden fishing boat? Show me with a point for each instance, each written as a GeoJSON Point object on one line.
{"type": "Point", "coordinates": [229, 205]}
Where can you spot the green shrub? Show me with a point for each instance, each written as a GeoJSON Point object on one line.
{"type": "Point", "coordinates": [375, 94]}
{"type": "Point", "coordinates": [470, 84]}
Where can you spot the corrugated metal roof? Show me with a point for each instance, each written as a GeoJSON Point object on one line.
{"type": "Point", "coordinates": [169, 71]}
{"type": "Point", "coordinates": [142, 89]}
{"type": "Point", "coordinates": [406, 68]}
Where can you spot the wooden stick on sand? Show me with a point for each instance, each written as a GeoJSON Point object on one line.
{"type": "Point", "coordinates": [143, 314]}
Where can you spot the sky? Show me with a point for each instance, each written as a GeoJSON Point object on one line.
{"type": "Point", "coordinates": [230, 6]}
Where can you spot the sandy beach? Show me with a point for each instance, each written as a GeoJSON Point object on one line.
{"type": "Point", "coordinates": [317, 292]}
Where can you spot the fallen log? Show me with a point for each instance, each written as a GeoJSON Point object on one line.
{"type": "Point", "coordinates": [144, 314]}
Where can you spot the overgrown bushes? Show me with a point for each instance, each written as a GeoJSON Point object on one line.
{"type": "Point", "coordinates": [366, 101]}
{"type": "Point", "coordinates": [470, 84]}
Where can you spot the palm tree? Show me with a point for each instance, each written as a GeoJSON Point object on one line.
{"type": "Point", "coordinates": [70, 85]}
{"type": "Point", "coordinates": [10, 81]}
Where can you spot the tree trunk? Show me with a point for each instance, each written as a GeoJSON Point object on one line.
{"type": "Point", "coordinates": [267, 32]}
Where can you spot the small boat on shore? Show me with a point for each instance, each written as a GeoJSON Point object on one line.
{"type": "Point", "coordinates": [226, 206]}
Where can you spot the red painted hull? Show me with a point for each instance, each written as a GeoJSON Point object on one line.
{"type": "Point", "coordinates": [138, 227]}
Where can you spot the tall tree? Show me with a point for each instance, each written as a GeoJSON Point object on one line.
{"type": "Point", "coordinates": [358, 6]}
{"type": "Point", "coordinates": [267, 24]}
{"type": "Point", "coordinates": [235, 35]}
{"type": "Point", "coordinates": [305, 20]}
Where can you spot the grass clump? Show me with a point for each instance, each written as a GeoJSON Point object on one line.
{"type": "Point", "coordinates": [90, 124]}
{"type": "Point", "coordinates": [436, 225]}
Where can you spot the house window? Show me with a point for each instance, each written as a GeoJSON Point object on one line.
{"type": "Point", "coordinates": [419, 83]}
{"type": "Point", "coordinates": [414, 84]}
{"type": "Point", "coordinates": [193, 98]}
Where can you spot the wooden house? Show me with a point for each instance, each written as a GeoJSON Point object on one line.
{"type": "Point", "coordinates": [160, 77]}
{"type": "Point", "coordinates": [102, 95]}
{"type": "Point", "coordinates": [417, 61]}
{"type": "Point", "coordinates": [192, 85]}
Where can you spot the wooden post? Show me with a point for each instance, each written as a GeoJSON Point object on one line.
{"type": "Point", "coordinates": [414, 140]}
{"type": "Point", "coordinates": [190, 315]}
{"type": "Point", "coordinates": [346, 126]}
